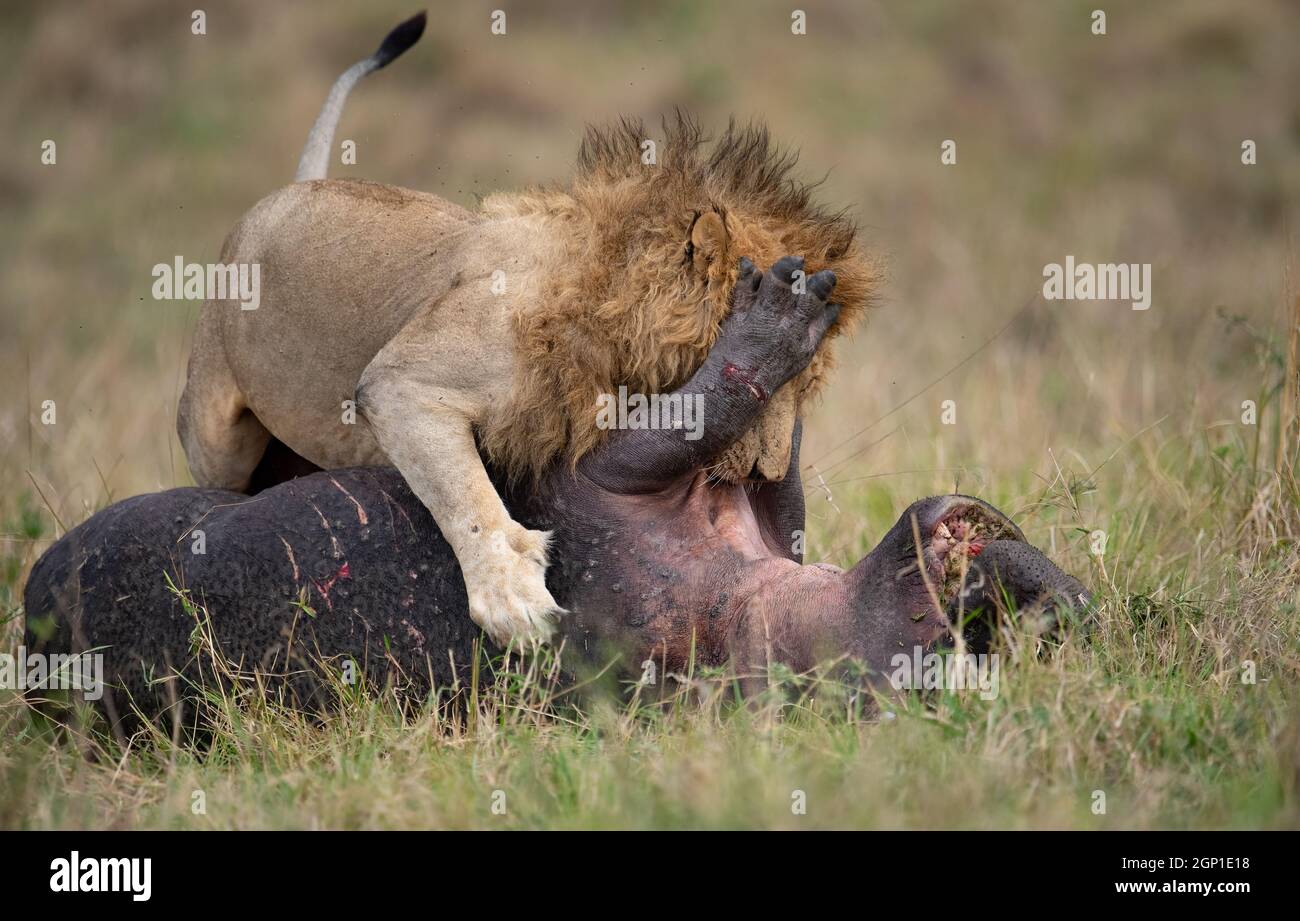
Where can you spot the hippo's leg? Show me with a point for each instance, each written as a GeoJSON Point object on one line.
{"type": "Point", "coordinates": [770, 336]}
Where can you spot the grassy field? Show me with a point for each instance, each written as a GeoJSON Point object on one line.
{"type": "Point", "coordinates": [1073, 416]}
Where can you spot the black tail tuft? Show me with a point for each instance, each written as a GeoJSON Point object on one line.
{"type": "Point", "coordinates": [398, 40]}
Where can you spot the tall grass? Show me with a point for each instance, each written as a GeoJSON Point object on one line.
{"type": "Point", "coordinates": [1153, 707]}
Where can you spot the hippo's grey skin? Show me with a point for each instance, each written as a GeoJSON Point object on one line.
{"type": "Point", "coordinates": [651, 558]}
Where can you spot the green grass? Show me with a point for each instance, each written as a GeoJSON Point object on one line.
{"type": "Point", "coordinates": [1149, 707]}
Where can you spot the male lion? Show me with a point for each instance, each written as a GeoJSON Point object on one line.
{"type": "Point", "coordinates": [498, 330]}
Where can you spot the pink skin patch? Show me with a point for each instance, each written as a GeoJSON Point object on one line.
{"type": "Point", "coordinates": [732, 373]}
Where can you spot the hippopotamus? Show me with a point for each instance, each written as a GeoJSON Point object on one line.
{"type": "Point", "coordinates": [650, 557]}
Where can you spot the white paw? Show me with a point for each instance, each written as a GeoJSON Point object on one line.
{"type": "Point", "coordinates": [507, 587]}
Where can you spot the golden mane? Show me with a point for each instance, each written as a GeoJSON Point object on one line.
{"type": "Point", "coordinates": [626, 306]}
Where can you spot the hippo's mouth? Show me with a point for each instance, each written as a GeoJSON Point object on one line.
{"type": "Point", "coordinates": [959, 536]}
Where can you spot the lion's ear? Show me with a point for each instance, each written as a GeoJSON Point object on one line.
{"type": "Point", "coordinates": [709, 237]}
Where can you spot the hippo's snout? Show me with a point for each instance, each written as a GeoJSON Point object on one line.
{"type": "Point", "coordinates": [1019, 572]}
{"type": "Point", "coordinates": [954, 560]}
{"type": "Point", "coordinates": [950, 530]}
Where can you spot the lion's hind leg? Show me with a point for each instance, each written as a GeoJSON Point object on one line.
{"type": "Point", "coordinates": [223, 440]}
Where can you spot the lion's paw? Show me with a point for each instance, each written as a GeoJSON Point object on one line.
{"type": "Point", "coordinates": [508, 597]}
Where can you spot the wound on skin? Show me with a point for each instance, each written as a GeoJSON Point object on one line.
{"type": "Point", "coordinates": [732, 373]}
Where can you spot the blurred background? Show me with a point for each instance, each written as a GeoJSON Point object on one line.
{"type": "Point", "coordinates": [1123, 147]}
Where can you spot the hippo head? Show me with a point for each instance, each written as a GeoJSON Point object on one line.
{"type": "Point", "coordinates": [972, 566]}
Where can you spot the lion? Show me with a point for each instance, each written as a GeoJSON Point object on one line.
{"type": "Point", "coordinates": [398, 328]}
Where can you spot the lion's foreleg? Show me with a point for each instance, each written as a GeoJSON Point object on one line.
{"type": "Point", "coordinates": [427, 433]}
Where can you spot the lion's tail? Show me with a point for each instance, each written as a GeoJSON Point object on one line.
{"type": "Point", "coordinates": [315, 156]}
